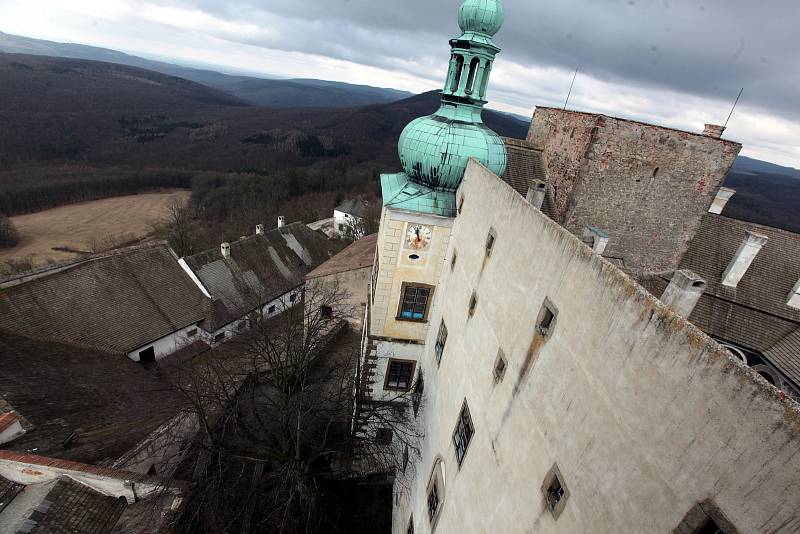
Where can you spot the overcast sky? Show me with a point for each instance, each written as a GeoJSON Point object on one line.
{"type": "Point", "coordinates": [678, 63]}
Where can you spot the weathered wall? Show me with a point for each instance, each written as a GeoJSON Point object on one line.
{"type": "Point", "coordinates": [356, 284]}
{"type": "Point", "coordinates": [396, 267]}
{"type": "Point", "coordinates": [647, 186]}
{"type": "Point", "coordinates": [644, 414]}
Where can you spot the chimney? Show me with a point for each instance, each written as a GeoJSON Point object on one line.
{"type": "Point", "coordinates": [536, 193]}
{"type": "Point", "coordinates": [683, 292]}
{"type": "Point", "coordinates": [723, 196]}
{"type": "Point", "coordinates": [225, 248]}
{"type": "Point", "coordinates": [595, 238]}
{"type": "Point", "coordinates": [714, 131]}
{"type": "Point", "coordinates": [794, 297]}
{"type": "Point", "coordinates": [744, 257]}
{"type": "Point", "coordinates": [281, 221]}
{"type": "Point", "coordinates": [259, 229]}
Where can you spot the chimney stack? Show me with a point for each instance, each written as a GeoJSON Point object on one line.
{"type": "Point", "coordinates": [794, 297]}
{"type": "Point", "coordinates": [259, 229]}
{"type": "Point", "coordinates": [714, 131]}
{"type": "Point", "coordinates": [595, 238]}
{"type": "Point", "coordinates": [225, 248]}
{"type": "Point", "coordinates": [683, 292]}
{"type": "Point", "coordinates": [536, 193]}
{"type": "Point", "coordinates": [723, 196]}
{"type": "Point", "coordinates": [281, 221]}
{"type": "Point", "coordinates": [744, 257]}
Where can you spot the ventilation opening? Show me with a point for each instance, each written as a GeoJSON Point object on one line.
{"type": "Point", "coordinates": [413, 257]}
{"type": "Point", "coordinates": [487, 69]}
{"type": "Point", "coordinates": [473, 303]}
{"type": "Point", "coordinates": [766, 376]}
{"type": "Point", "coordinates": [499, 367]}
{"type": "Point", "coordinates": [326, 311]}
{"type": "Point", "coordinates": [473, 70]}
{"type": "Point", "coordinates": [457, 75]}
{"type": "Point", "coordinates": [453, 260]}
{"type": "Point", "coordinates": [710, 527]}
{"type": "Point", "coordinates": [490, 243]}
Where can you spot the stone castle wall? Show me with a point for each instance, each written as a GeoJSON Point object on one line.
{"type": "Point", "coordinates": [644, 415]}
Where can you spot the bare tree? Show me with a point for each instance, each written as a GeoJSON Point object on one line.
{"type": "Point", "coordinates": [283, 422]}
{"type": "Point", "coordinates": [8, 233]}
{"type": "Point", "coordinates": [367, 223]}
{"type": "Point", "coordinates": [177, 227]}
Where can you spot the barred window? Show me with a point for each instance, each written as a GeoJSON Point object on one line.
{"type": "Point", "coordinates": [399, 373]}
{"type": "Point", "coordinates": [441, 339]}
{"type": "Point", "coordinates": [414, 302]}
{"type": "Point", "coordinates": [463, 433]}
{"type": "Point", "coordinates": [433, 501]}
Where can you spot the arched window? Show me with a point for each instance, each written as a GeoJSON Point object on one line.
{"type": "Point", "coordinates": [487, 69]}
{"type": "Point", "coordinates": [473, 71]}
{"type": "Point", "coordinates": [457, 75]}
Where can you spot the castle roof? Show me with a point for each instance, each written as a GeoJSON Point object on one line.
{"type": "Point", "coordinates": [260, 268]}
{"type": "Point", "coordinates": [359, 255]}
{"type": "Point", "coordinates": [115, 302]}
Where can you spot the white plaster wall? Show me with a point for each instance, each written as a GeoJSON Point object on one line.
{"type": "Point", "coordinates": [644, 414]}
{"type": "Point", "coordinates": [170, 344]}
{"type": "Point", "coordinates": [11, 433]}
{"type": "Point", "coordinates": [341, 218]}
{"type": "Point", "coordinates": [281, 304]}
{"type": "Point", "coordinates": [387, 350]}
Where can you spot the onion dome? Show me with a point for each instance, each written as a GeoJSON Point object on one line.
{"type": "Point", "coordinates": [481, 16]}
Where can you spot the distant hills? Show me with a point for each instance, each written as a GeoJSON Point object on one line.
{"type": "Point", "coordinates": [259, 91]}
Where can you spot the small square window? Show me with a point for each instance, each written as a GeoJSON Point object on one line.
{"type": "Point", "coordinates": [706, 518]}
{"type": "Point", "coordinates": [546, 322]}
{"type": "Point", "coordinates": [271, 309]}
{"type": "Point", "coordinates": [441, 339]}
{"type": "Point", "coordinates": [499, 367]}
{"type": "Point", "coordinates": [473, 303]}
{"type": "Point", "coordinates": [219, 337]}
{"type": "Point", "coordinates": [292, 297]}
{"type": "Point", "coordinates": [383, 436]}
{"type": "Point", "coordinates": [326, 311]}
{"type": "Point", "coordinates": [398, 374]}
{"type": "Point", "coordinates": [463, 433]}
{"type": "Point", "coordinates": [192, 332]}
{"type": "Point", "coordinates": [555, 491]}
{"type": "Point", "coordinates": [490, 243]}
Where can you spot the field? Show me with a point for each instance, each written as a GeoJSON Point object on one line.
{"type": "Point", "coordinates": [60, 233]}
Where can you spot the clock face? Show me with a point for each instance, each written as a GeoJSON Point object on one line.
{"type": "Point", "coordinates": [418, 237]}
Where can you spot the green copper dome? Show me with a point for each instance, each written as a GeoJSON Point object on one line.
{"type": "Point", "coordinates": [481, 16]}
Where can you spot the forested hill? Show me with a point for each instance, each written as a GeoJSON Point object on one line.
{"type": "Point", "coordinates": [261, 91]}
{"type": "Point", "coordinates": [74, 129]}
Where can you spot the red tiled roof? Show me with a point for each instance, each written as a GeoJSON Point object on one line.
{"type": "Point", "coordinates": [67, 465]}
{"type": "Point", "coordinates": [7, 419]}
{"type": "Point", "coordinates": [358, 255]}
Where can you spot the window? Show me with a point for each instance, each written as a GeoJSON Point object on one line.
{"type": "Point", "coordinates": [410, 529]}
{"type": "Point", "coordinates": [414, 302]}
{"type": "Point", "coordinates": [292, 297]}
{"type": "Point", "coordinates": [271, 309]}
{"type": "Point", "coordinates": [459, 67]}
{"type": "Point", "coordinates": [499, 367]}
{"type": "Point", "coordinates": [546, 322]}
{"type": "Point", "coordinates": [326, 311]}
{"type": "Point", "coordinates": [419, 389]}
{"type": "Point", "coordinates": [441, 339]}
{"type": "Point", "coordinates": [706, 518]}
{"type": "Point", "coordinates": [460, 204]}
{"type": "Point", "coordinates": [398, 374]}
{"type": "Point", "coordinates": [490, 243]}
{"type": "Point", "coordinates": [463, 433]}
{"type": "Point", "coordinates": [148, 355]}
{"type": "Point", "coordinates": [219, 337]}
{"type": "Point", "coordinates": [192, 332]}
{"type": "Point", "coordinates": [473, 71]}
{"type": "Point", "coordinates": [710, 527]}
{"type": "Point", "coordinates": [433, 501]}
{"type": "Point", "coordinates": [375, 271]}
{"type": "Point", "coordinates": [555, 491]}
{"type": "Point", "coordinates": [473, 303]}
{"type": "Point", "coordinates": [383, 436]}
{"type": "Point", "coordinates": [453, 260]}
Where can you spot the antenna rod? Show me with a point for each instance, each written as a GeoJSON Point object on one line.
{"type": "Point", "coordinates": [570, 87]}
{"type": "Point", "coordinates": [734, 107]}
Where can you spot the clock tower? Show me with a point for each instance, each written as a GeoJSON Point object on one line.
{"type": "Point", "coordinates": [420, 203]}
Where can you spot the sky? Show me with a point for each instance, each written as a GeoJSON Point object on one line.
{"type": "Point", "coordinates": [678, 63]}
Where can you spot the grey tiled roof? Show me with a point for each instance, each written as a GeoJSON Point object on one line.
{"type": "Point", "coordinates": [8, 490]}
{"type": "Point", "coordinates": [754, 314]}
{"type": "Point", "coordinates": [354, 206]}
{"type": "Point", "coordinates": [118, 302]}
{"type": "Point", "coordinates": [71, 507]}
{"type": "Point", "coordinates": [524, 166]}
{"type": "Point", "coordinates": [110, 402]}
{"type": "Point", "coordinates": [260, 269]}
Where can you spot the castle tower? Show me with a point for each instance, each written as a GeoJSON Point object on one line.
{"type": "Point", "coordinates": [420, 203]}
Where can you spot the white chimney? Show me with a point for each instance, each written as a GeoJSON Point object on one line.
{"type": "Point", "coordinates": [536, 194]}
{"type": "Point", "coordinates": [595, 238]}
{"type": "Point", "coordinates": [683, 292]}
{"type": "Point", "coordinates": [225, 248]}
{"type": "Point", "coordinates": [744, 257]}
{"type": "Point", "coordinates": [259, 229]}
{"type": "Point", "coordinates": [723, 196]}
{"type": "Point", "coordinates": [794, 296]}
{"type": "Point", "coordinates": [713, 130]}
{"type": "Point", "coordinates": [281, 221]}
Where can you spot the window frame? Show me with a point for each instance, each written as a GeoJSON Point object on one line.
{"type": "Point", "coordinates": [399, 361]}
{"type": "Point", "coordinates": [498, 376]}
{"type": "Point", "coordinates": [436, 351]}
{"type": "Point", "coordinates": [436, 480]}
{"type": "Point", "coordinates": [407, 285]}
{"type": "Point", "coordinates": [554, 475]}
{"type": "Point", "coordinates": [469, 429]}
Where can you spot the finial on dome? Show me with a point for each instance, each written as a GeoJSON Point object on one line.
{"type": "Point", "coordinates": [481, 16]}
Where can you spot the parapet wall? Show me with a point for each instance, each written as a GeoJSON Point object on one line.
{"type": "Point", "coordinates": [643, 414]}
